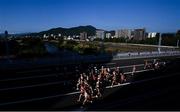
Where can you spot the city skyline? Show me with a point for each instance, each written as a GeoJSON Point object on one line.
{"type": "Point", "coordinates": [19, 16]}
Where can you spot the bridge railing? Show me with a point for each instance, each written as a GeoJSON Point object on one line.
{"type": "Point", "coordinates": [84, 59]}
{"type": "Point", "coordinates": [145, 54]}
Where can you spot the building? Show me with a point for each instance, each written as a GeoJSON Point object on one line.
{"type": "Point", "coordinates": [83, 36]}
{"type": "Point", "coordinates": [91, 38]}
{"type": "Point", "coordinates": [152, 35]}
{"type": "Point", "coordinates": [139, 34]}
{"type": "Point", "coordinates": [59, 35]}
{"type": "Point", "coordinates": [117, 33]}
{"type": "Point", "coordinates": [100, 34]}
{"type": "Point", "coordinates": [108, 35]}
{"type": "Point", "coordinates": [45, 36]}
{"type": "Point", "coordinates": [52, 35]}
{"type": "Point", "coordinates": [123, 33]}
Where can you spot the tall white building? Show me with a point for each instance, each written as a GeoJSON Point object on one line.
{"type": "Point", "coordinates": [152, 34]}
{"type": "Point", "coordinates": [100, 34]}
{"type": "Point", "coordinates": [108, 35]}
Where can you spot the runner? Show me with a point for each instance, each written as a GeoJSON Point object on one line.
{"type": "Point", "coordinates": [80, 80]}
{"type": "Point", "coordinates": [114, 78]}
{"type": "Point", "coordinates": [98, 88]}
{"type": "Point", "coordinates": [88, 93]}
{"type": "Point", "coordinates": [133, 70]}
{"type": "Point", "coordinates": [123, 79]}
{"type": "Point", "coordinates": [156, 65]}
{"type": "Point", "coordinates": [107, 77]}
{"type": "Point", "coordinates": [82, 90]}
{"type": "Point", "coordinates": [145, 64]}
{"type": "Point", "coordinates": [118, 76]}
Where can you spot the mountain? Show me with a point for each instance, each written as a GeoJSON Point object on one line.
{"type": "Point", "coordinates": [90, 30]}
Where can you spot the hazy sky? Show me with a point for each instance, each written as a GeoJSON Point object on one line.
{"type": "Point", "coordinates": [18, 16]}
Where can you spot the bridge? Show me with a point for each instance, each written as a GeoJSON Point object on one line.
{"type": "Point", "coordinates": [46, 88]}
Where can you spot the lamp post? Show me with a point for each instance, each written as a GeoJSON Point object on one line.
{"type": "Point", "coordinates": [178, 43]}
{"type": "Point", "coordinates": [159, 44]}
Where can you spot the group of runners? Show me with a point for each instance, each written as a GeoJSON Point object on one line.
{"type": "Point", "coordinates": [153, 65]}
{"type": "Point", "coordinates": [92, 83]}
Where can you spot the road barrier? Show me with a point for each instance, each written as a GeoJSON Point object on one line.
{"type": "Point", "coordinates": [134, 55]}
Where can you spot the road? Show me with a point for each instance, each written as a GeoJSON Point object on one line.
{"type": "Point", "coordinates": [44, 89]}
{"type": "Point", "coordinates": [158, 94]}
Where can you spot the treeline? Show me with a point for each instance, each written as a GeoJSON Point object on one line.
{"type": "Point", "coordinates": [83, 48]}
{"type": "Point", "coordinates": [170, 39]}
{"type": "Point", "coordinates": [10, 47]}
{"type": "Point", "coordinates": [24, 47]}
{"type": "Point", "coordinates": [123, 40]}
{"type": "Point", "coordinates": [32, 47]}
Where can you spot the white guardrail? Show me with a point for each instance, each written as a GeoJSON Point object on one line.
{"type": "Point", "coordinates": [129, 55]}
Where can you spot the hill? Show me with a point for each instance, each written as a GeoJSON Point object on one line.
{"type": "Point", "coordinates": [68, 31]}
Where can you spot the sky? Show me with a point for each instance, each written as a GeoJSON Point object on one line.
{"type": "Point", "coordinates": [21, 16]}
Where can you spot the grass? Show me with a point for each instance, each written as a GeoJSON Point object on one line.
{"type": "Point", "coordinates": [109, 47]}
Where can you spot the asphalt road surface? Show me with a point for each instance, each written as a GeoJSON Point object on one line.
{"type": "Point", "coordinates": [43, 90]}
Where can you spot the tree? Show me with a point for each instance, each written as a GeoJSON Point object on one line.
{"type": "Point", "coordinates": [32, 47]}
{"type": "Point", "coordinates": [169, 39]}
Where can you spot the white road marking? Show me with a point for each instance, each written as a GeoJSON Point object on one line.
{"type": "Point", "coordinates": [110, 64]}
{"type": "Point", "coordinates": [139, 71]}
{"type": "Point", "coordinates": [129, 66]}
